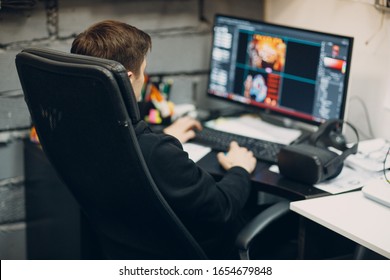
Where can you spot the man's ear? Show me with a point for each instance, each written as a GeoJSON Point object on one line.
{"type": "Point", "coordinates": [130, 75]}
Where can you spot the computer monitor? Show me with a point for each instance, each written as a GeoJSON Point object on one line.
{"type": "Point", "coordinates": [294, 73]}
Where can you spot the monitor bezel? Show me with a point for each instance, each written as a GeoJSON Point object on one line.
{"type": "Point", "coordinates": [274, 112]}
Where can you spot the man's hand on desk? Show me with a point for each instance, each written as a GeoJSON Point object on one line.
{"type": "Point", "coordinates": [237, 156]}
{"type": "Point", "coordinates": [183, 129]}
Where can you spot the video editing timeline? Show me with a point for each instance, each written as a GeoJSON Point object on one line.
{"type": "Point", "coordinates": [297, 73]}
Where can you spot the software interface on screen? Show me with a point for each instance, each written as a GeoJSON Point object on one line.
{"type": "Point", "coordinates": [299, 74]}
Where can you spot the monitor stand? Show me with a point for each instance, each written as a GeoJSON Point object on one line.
{"type": "Point", "coordinates": [265, 117]}
{"type": "Point", "coordinates": [306, 129]}
{"type": "Point", "coordinates": [287, 122]}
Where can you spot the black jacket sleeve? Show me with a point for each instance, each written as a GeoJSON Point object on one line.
{"type": "Point", "coordinates": [193, 193]}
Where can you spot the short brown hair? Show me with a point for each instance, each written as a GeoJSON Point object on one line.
{"type": "Point", "coordinates": [114, 40]}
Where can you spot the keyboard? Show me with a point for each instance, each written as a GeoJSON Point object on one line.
{"type": "Point", "coordinates": [219, 140]}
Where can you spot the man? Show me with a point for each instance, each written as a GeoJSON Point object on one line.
{"type": "Point", "coordinates": [212, 211]}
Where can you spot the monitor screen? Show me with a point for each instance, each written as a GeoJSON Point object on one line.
{"type": "Point", "coordinates": [296, 73]}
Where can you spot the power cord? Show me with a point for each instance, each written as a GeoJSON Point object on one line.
{"type": "Point", "coordinates": [370, 132]}
{"type": "Point", "coordinates": [384, 166]}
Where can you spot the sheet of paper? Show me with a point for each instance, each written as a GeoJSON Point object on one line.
{"type": "Point", "coordinates": [348, 180]}
{"type": "Point", "coordinates": [256, 128]}
{"type": "Point", "coordinates": [371, 155]}
{"type": "Point", "coordinates": [195, 151]}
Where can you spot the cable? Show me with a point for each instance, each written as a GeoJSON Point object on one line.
{"type": "Point", "coordinates": [371, 134]}
{"type": "Point", "coordinates": [378, 30]}
{"type": "Point", "coordinates": [202, 17]}
{"type": "Point", "coordinates": [384, 166]}
{"type": "Point", "coordinates": [382, 18]}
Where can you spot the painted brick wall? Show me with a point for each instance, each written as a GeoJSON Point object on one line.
{"type": "Point", "coordinates": [181, 34]}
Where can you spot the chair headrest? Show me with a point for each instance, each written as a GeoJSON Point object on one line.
{"type": "Point", "coordinates": [117, 69]}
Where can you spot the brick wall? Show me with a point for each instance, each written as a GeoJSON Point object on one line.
{"type": "Point", "coordinates": [181, 34]}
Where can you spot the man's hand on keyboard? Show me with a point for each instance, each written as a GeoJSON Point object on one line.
{"type": "Point", "coordinates": [183, 129]}
{"type": "Point", "coordinates": [237, 156]}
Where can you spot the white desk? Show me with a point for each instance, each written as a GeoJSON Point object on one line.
{"type": "Point", "coordinates": [351, 215]}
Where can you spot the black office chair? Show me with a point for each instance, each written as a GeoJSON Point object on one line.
{"type": "Point", "coordinates": [84, 109]}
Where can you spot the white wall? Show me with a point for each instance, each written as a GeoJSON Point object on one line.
{"type": "Point", "coordinates": [370, 68]}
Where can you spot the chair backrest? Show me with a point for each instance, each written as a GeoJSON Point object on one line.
{"type": "Point", "coordinates": [84, 110]}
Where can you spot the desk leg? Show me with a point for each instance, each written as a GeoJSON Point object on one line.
{"type": "Point", "coordinates": [307, 240]}
{"type": "Point", "coordinates": [363, 253]}
{"type": "Point", "coordinates": [302, 238]}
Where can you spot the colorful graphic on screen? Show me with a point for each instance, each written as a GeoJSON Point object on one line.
{"type": "Point", "coordinates": [267, 52]}
{"type": "Point", "coordinates": [335, 64]}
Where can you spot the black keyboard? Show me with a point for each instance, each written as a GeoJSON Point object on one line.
{"type": "Point", "coordinates": [220, 141]}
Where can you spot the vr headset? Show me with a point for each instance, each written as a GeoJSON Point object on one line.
{"type": "Point", "coordinates": [310, 160]}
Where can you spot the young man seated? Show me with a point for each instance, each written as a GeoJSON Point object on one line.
{"type": "Point", "coordinates": [212, 211]}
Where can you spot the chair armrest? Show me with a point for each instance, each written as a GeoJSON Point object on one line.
{"type": "Point", "coordinates": [258, 224]}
